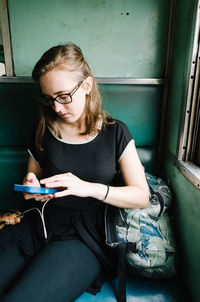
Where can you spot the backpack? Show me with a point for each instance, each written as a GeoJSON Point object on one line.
{"type": "Point", "coordinates": [143, 237]}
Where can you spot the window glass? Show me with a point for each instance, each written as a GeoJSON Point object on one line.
{"type": "Point", "coordinates": [197, 138]}
{"type": "Point", "coordinates": [2, 61]}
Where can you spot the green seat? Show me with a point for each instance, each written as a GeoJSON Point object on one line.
{"type": "Point", "coordinates": [139, 290]}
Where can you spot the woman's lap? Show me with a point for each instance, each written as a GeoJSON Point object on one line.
{"type": "Point", "coordinates": [61, 271]}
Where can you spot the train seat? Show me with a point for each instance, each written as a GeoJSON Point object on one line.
{"type": "Point", "coordinates": [139, 107]}
{"type": "Point", "coordinates": [138, 289]}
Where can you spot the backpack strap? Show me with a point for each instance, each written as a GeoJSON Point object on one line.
{"type": "Point", "coordinates": [121, 297]}
{"type": "Point", "coordinates": [161, 201]}
{"type": "Point", "coordinates": [123, 249]}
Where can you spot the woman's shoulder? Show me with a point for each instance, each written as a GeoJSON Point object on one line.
{"type": "Point", "coordinates": [117, 124]}
{"type": "Point", "coordinates": [120, 123]}
{"type": "Point", "coordinates": [118, 129]}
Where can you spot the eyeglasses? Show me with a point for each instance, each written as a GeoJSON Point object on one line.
{"type": "Point", "coordinates": [64, 98]}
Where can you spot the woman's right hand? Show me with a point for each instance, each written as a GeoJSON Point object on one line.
{"type": "Point", "coordinates": [31, 180]}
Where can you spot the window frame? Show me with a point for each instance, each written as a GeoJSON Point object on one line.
{"type": "Point", "coordinates": [190, 132]}
{"type": "Point", "coordinates": [4, 19]}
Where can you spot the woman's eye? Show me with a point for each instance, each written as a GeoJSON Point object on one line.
{"type": "Point", "coordinates": [62, 97]}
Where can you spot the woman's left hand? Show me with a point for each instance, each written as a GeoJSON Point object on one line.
{"type": "Point", "coordinates": [69, 185]}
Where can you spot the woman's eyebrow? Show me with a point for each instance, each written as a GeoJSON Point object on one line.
{"type": "Point", "coordinates": [58, 92]}
{"type": "Point", "coordinates": [62, 92]}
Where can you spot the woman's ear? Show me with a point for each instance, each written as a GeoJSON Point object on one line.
{"type": "Point", "coordinates": [87, 84]}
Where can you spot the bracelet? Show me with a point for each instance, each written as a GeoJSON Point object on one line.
{"type": "Point", "coordinates": [106, 193]}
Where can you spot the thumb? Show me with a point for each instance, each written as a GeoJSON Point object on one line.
{"type": "Point", "coordinates": [31, 177]}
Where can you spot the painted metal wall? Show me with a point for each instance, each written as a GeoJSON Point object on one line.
{"type": "Point", "coordinates": [186, 195]}
{"type": "Point", "coordinates": [120, 38]}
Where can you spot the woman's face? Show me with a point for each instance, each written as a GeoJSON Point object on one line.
{"type": "Point", "coordinates": [59, 81]}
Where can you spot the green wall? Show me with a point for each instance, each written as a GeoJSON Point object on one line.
{"type": "Point", "coordinates": [186, 195]}
{"type": "Point", "coordinates": [120, 38]}
{"type": "Point", "coordinates": [187, 223]}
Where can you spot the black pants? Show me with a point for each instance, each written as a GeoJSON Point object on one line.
{"type": "Point", "coordinates": [60, 272]}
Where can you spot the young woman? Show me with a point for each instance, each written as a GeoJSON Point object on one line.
{"type": "Point", "coordinates": [78, 150]}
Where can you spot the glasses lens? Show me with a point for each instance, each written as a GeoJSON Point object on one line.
{"type": "Point", "coordinates": [63, 99]}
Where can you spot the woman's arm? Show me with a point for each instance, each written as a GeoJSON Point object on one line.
{"type": "Point", "coordinates": [34, 173]}
{"type": "Point", "coordinates": [34, 167]}
{"type": "Point", "coordinates": [135, 193]}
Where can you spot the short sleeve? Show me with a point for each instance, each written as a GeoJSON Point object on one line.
{"type": "Point", "coordinates": [123, 138]}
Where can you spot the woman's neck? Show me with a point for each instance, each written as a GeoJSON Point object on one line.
{"type": "Point", "coordinates": [71, 132]}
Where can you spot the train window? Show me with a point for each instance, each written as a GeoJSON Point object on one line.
{"type": "Point", "coordinates": [6, 64]}
{"type": "Point", "coordinates": [189, 147]}
{"type": "Point", "coordinates": [192, 150]}
{"type": "Point", "coordinates": [196, 140]}
{"type": "Point", "coordinates": [197, 151]}
{"type": "Point", "coordinates": [2, 60]}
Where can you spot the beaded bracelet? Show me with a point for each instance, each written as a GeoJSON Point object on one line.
{"type": "Point", "coordinates": [106, 193]}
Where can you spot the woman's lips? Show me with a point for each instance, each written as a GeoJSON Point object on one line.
{"type": "Point", "coordinates": [65, 114]}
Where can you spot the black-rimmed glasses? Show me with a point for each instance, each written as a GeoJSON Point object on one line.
{"type": "Point", "coordinates": [64, 98]}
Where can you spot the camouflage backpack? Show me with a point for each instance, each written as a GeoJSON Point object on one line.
{"type": "Point", "coordinates": [143, 237]}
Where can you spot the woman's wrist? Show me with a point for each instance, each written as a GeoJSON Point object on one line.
{"type": "Point", "coordinates": [100, 191]}
{"type": "Point", "coordinates": [107, 191]}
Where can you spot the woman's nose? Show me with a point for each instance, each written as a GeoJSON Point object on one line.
{"type": "Point", "coordinates": [57, 106]}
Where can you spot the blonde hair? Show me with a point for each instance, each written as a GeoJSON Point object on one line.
{"type": "Point", "coordinates": [71, 57]}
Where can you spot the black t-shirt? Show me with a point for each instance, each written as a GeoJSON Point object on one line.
{"type": "Point", "coordinates": [93, 161]}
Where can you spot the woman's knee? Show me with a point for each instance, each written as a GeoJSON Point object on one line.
{"type": "Point", "coordinates": [70, 254]}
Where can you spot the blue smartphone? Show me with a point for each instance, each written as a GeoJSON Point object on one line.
{"type": "Point", "coordinates": [35, 190]}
